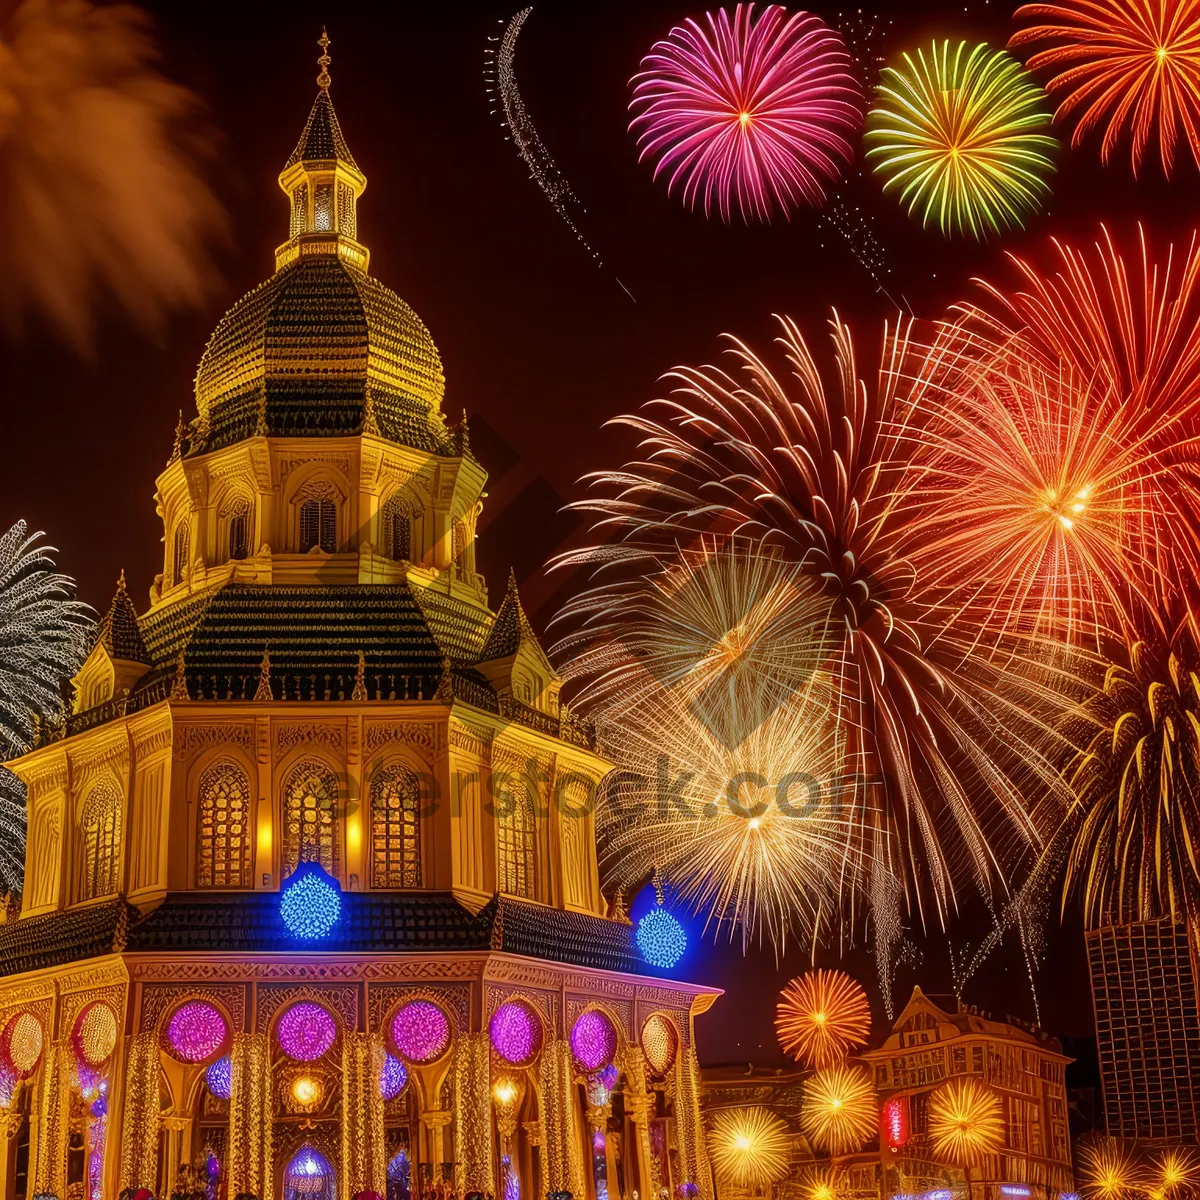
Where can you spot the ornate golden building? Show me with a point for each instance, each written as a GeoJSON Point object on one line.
{"type": "Point", "coordinates": [311, 900]}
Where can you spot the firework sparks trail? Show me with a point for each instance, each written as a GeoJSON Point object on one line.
{"type": "Point", "coordinates": [500, 76]}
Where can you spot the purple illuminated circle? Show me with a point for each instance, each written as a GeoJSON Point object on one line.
{"type": "Point", "coordinates": [516, 1033]}
{"type": "Point", "coordinates": [305, 1032]}
{"type": "Point", "coordinates": [594, 1041]}
{"type": "Point", "coordinates": [392, 1078]}
{"type": "Point", "coordinates": [219, 1078]}
{"type": "Point", "coordinates": [421, 1031]}
{"type": "Point", "coordinates": [196, 1032]}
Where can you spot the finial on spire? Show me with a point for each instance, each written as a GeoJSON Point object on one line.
{"type": "Point", "coordinates": [323, 80]}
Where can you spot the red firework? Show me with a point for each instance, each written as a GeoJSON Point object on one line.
{"type": "Point", "coordinates": [750, 113]}
{"type": "Point", "coordinates": [1132, 63]}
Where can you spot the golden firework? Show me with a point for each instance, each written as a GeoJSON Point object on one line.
{"type": "Point", "coordinates": [839, 1111]}
{"type": "Point", "coordinates": [1176, 1171]}
{"type": "Point", "coordinates": [1107, 1171]}
{"type": "Point", "coordinates": [966, 1121]}
{"type": "Point", "coordinates": [822, 1183]}
{"type": "Point", "coordinates": [820, 1016]}
{"type": "Point", "coordinates": [749, 1147]}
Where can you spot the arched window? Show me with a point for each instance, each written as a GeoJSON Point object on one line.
{"type": "Point", "coordinates": [318, 524]}
{"type": "Point", "coordinates": [459, 541]}
{"type": "Point", "coordinates": [223, 828]}
{"type": "Point", "coordinates": [310, 819]}
{"type": "Point", "coordinates": [516, 849]}
{"type": "Point", "coordinates": [395, 828]}
{"type": "Point", "coordinates": [180, 560]}
{"type": "Point", "coordinates": [100, 841]}
{"type": "Point", "coordinates": [397, 530]}
{"type": "Point", "coordinates": [239, 532]}
{"type": "Point", "coordinates": [309, 1176]}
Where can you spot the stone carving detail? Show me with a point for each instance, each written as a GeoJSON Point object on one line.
{"type": "Point", "coordinates": [191, 738]}
{"type": "Point", "coordinates": [288, 737]}
{"type": "Point", "coordinates": [368, 969]}
{"type": "Point", "coordinates": [454, 998]}
{"type": "Point", "coordinates": [72, 1004]}
{"type": "Point", "coordinates": [411, 733]}
{"type": "Point", "coordinates": [271, 998]}
{"type": "Point", "coordinates": [160, 999]}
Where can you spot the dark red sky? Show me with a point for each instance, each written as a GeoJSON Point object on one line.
{"type": "Point", "coordinates": [538, 345]}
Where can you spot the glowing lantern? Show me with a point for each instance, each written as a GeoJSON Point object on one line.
{"type": "Point", "coordinates": [593, 1040]}
{"type": "Point", "coordinates": [516, 1033]}
{"type": "Point", "coordinates": [421, 1031]}
{"type": "Point", "coordinates": [305, 1032]}
{"type": "Point", "coordinates": [95, 1034]}
{"type": "Point", "coordinates": [660, 1043]}
{"type": "Point", "coordinates": [392, 1077]}
{"type": "Point", "coordinates": [219, 1078]}
{"type": "Point", "coordinates": [21, 1045]}
{"type": "Point", "coordinates": [893, 1122]}
{"type": "Point", "coordinates": [196, 1032]}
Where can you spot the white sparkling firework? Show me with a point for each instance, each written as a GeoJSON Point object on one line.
{"type": "Point", "coordinates": [500, 76]}
{"type": "Point", "coordinates": [44, 637]}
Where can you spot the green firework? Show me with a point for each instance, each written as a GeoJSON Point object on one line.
{"type": "Point", "coordinates": [961, 134]}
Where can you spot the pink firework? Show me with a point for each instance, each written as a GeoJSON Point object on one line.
{"type": "Point", "coordinates": [752, 112]}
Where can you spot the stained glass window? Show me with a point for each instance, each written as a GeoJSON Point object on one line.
{"type": "Point", "coordinates": [310, 822]}
{"type": "Point", "coordinates": [516, 849]}
{"type": "Point", "coordinates": [100, 826]}
{"type": "Point", "coordinates": [223, 833]}
{"type": "Point", "coordinates": [395, 828]}
{"type": "Point", "coordinates": [318, 525]}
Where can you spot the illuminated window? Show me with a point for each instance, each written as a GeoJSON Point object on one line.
{"type": "Point", "coordinates": [347, 223]}
{"type": "Point", "coordinates": [395, 828]}
{"type": "Point", "coordinates": [516, 847]}
{"type": "Point", "coordinates": [323, 206]}
{"type": "Point", "coordinates": [180, 561]}
{"type": "Point", "coordinates": [459, 538]}
{"type": "Point", "coordinates": [100, 830]}
{"type": "Point", "coordinates": [299, 210]}
{"type": "Point", "coordinates": [223, 835]}
{"type": "Point", "coordinates": [318, 524]}
{"type": "Point", "coordinates": [310, 823]}
{"type": "Point", "coordinates": [397, 530]}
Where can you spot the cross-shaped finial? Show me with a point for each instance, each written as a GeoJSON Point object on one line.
{"type": "Point", "coordinates": [323, 79]}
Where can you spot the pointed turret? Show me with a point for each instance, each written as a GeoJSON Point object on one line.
{"type": "Point", "coordinates": [118, 630]}
{"type": "Point", "coordinates": [119, 657]}
{"type": "Point", "coordinates": [513, 660]}
{"type": "Point", "coordinates": [322, 183]}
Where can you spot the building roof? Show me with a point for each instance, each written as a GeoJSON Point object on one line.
{"type": "Point", "coordinates": [511, 627]}
{"type": "Point", "coordinates": [53, 940]}
{"type": "Point", "coordinates": [322, 139]}
{"type": "Point", "coordinates": [118, 630]}
{"type": "Point", "coordinates": [320, 350]}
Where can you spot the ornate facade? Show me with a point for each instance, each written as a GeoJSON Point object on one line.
{"type": "Point", "coordinates": [319, 695]}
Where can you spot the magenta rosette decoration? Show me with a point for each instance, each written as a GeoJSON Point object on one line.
{"type": "Point", "coordinates": [516, 1033]}
{"type": "Point", "coordinates": [421, 1031]}
{"type": "Point", "coordinates": [594, 1041]}
{"type": "Point", "coordinates": [196, 1031]}
{"type": "Point", "coordinates": [305, 1032]}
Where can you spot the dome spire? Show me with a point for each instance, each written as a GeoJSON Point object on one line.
{"type": "Point", "coordinates": [322, 183]}
{"type": "Point", "coordinates": [323, 80]}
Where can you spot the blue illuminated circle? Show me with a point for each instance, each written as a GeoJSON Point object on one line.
{"type": "Point", "coordinates": [310, 904]}
{"type": "Point", "coordinates": [661, 938]}
{"type": "Point", "coordinates": [219, 1078]}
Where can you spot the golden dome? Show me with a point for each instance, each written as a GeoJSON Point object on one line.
{"type": "Point", "coordinates": [321, 349]}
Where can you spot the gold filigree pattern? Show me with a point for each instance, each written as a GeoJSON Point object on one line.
{"type": "Point", "coordinates": [139, 1129]}
{"type": "Point", "coordinates": [250, 1117]}
{"type": "Point", "coordinates": [472, 1114]}
{"type": "Point", "coordinates": [364, 1138]}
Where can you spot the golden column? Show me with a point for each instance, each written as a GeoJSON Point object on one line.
{"type": "Point", "coordinates": [562, 1153]}
{"type": "Point", "coordinates": [637, 1106]}
{"type": "Point", "coordinates": [473, 1114]}
{"type": "Point", "coordinates": [141, 1114]}
{"type": "Point", "coordinates": [689, 1125]}
{"type": "Point", "coordinates": [54, 1121]}
{"type": "Point", "coordinates": [250, 1115]}
{"type": "Point", "coordinates": [364, 1139]}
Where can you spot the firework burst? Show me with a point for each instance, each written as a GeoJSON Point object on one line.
{"type": "Point", "coordinates": [1132, 63]}
{"type": "Point", "coordinates": [839, 1112]}
{"type": "Point", "coordinates": [966, 1121]}
{"type": "Point", "coordinates": [943, 745]}
{"type": "Point", "coordinates": [821, 1016]}
{"type": "Point", "coordinates": [961, 134]}
{"type": "Point", "coordinates": [749, 1147]}
{"type": "Point", "coordinates": [750, 113]}
{"type": "Point", "coordinates": [1107, 1171]}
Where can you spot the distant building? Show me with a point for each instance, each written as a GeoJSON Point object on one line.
{"type": "Point", "coordinates": [929, 1045]}
{"type": "Point", "coordinates": [1147, 1029]}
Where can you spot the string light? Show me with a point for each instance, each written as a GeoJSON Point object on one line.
{"type": "Point", "coordinates": [310, 904]}
{"type": "Point", "coordinates": [196, 1032]}
{"type": "Point", "coordinates": [306, 1032]}
{"type": "Point", "coordinates": [421, 1031]}
{"type": "Point", "coordinates": [661, 938]}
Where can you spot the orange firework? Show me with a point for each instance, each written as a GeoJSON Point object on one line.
{"type": "Point", "coordinates": [1132, 63]}
{"type": "Point", "coordinates": [1065, 430]}
{"type": "Point", "coordinates": [749, 1147]}
{"type": "Point", "coordinates": [1176, 1171]}
{"type": "Point", "coordinates": [839, 1112]}
{"type": "Point", "coordinates": [966, 1121]}
{"type": "Point", "coordinates": [1107, 1171]}
{"type": "Point", "coordinates": [820, 1016]}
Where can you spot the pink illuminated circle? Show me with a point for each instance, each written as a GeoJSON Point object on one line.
{"type": "Point", "coordinates": [196, 1032]}
{"type": "Point", "coordinates": [421, 1031]}
{"type": "Point", "coordinates": [593, 1041]}
{"type": "Point", "coordinates": [516, 1033]}
{"type": "Point", "coordinates": [306, 1032]}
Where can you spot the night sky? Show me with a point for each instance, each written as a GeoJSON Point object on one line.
{"type": "Point", "coordinates": [540, 347]}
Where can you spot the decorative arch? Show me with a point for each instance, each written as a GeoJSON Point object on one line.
{"type": "Point", "coordinates": [395, 799]}
{"type": "Point", "coordinates": [516, 842]}
{"type": "Point", "coordinates": [317, 506]}
{"type": "Point", "coordinates": [224, 826]}
{"type": "Point", "coordinates": [309, 1175]}
{"type": "Point", "coordinates": [100, 841]}
{"type": "Point", "coordinates": [311, 823]}
{"type": "Point", "coordinates": [236, 516]}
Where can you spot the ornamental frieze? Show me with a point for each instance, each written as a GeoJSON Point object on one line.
{"type": "Point", "coordinates": [192, 738]}
{"type": "Point", "coordinates": [205, 970]}
{"type": "Point", "coordinates": [454, 998]}
{"type": "Point", "coordinates": [160, 999]}
{"type": "Point", "coordinates": [410, 733]}
{"type": "Point", "coordinates": [288, 737]}
{"type": "Point", "coordinates": [272, 998]}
